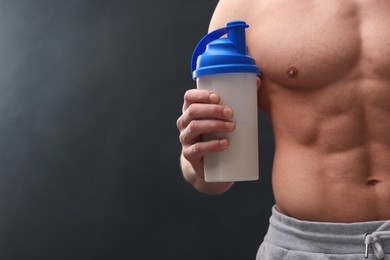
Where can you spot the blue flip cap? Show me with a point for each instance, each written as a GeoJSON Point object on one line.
{"type": "Point", "coordinates": [215, 55]}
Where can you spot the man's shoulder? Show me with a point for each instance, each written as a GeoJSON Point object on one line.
{"type": "Point", "coordinates": [228, 10]}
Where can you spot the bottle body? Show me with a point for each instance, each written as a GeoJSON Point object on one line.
{"type": "Point", "coordinates": [239, 162]}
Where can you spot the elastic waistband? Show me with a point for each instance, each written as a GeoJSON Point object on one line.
{"type": "Point", "coordinates": [320, 237]}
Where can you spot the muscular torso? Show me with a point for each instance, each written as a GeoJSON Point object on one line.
{"type": "Point", "coordinates": [326, 90]}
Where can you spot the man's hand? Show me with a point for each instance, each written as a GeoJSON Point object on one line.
{"type": "Point", "coordinates": [202, 114]}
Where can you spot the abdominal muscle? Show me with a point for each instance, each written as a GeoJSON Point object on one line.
{"type": "Point", "coordinates": [330, 188]}
{"type": "Point", "coordinates": [332, 154]}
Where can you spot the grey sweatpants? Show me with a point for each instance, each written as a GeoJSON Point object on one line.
{"type": "Point", "coordinates": [292, 239]}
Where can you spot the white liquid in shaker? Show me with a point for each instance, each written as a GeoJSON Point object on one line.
{"type": "Point", "coordinates": [239, 162]}
{"type": "Point", "coordinates": [232, 163]}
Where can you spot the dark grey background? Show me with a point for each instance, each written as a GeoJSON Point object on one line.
{"type": "Point", "coordinates": [90, 91]}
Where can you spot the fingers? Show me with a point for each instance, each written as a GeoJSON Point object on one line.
{"type": "Point", "coordinates": [202, 114]}
{"type": "Point", "coordinates": [196, 128]}
{"type": "Point", "coordinates": [199, 96]}
{"type": "Point", "coordinates": [258, 82]}
{"type": "Point", "coordinates": [196, 151]}
{"type": "Point", "coordinates": [203, 111]}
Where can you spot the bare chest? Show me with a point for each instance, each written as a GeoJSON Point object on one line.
{"type": "Point", "coordinates": [309, 44]}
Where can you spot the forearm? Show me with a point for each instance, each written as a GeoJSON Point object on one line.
{"type": "Point", "coordinates": [198, 182]}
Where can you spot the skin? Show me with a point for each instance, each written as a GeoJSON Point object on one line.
{"type": "Point", "coordinates": [325, 88]}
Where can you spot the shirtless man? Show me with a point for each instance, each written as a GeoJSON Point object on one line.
{"type": "Point", "coordinates": [325, 87]}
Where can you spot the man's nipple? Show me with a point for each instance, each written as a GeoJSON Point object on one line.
{"type": "Point", "coordinates": [292, 72]}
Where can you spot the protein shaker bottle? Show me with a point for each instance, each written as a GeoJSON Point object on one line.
{"type": "Point", "coordinates": [223, 66]}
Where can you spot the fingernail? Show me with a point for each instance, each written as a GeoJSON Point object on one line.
{"type": "Point", "coordinates": [228, 112]}
{"type": "Point", "coordinates": [229, 125]}
{"type": "Point", "coordinates": [214, 98]}
{"type": "Point", "coordinates": [224, 143]}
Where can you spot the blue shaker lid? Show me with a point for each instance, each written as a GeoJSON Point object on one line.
{"type": "Point", "coordinates": [215, 55]}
